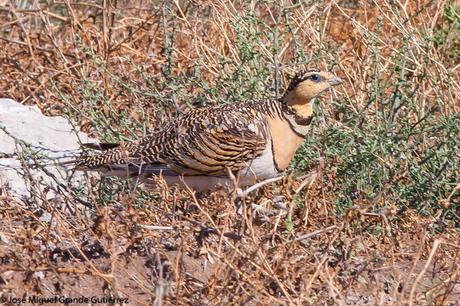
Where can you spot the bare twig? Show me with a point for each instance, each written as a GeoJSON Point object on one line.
{"type": "Point", "coordinates": [425, 267]}
{"type": "Point", "coordinates": [317, 232]}
{"type": "Point", "coordinates": [253, 188]}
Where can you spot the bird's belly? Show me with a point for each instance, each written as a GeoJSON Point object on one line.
{"type": "Point", "coordinates": [201, 183]}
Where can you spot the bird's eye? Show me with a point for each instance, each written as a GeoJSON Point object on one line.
{"type": "Point", "coordinates": [315, 77]}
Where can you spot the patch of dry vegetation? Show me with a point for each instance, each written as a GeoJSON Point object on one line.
{"type": "Point", "coordinates": [377, 224]}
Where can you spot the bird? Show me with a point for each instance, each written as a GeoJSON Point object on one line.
{"type": "Point", "coordinates": [205, 148]}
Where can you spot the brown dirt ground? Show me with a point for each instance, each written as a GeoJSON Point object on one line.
{"type": "Point", "coordinates": [210, 252]}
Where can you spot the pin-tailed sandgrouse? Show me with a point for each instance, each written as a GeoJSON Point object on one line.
{"type": "Point", "coordinates": [254, 139]}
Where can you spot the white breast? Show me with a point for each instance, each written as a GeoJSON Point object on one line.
{"type": "Point", "coordinates": [263, 167]}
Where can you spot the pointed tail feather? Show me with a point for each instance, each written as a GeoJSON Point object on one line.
{"type": "Point", "coordinates": [122, 170]}
{"type": "Point", "coordinates": [114, 161]}
{"type": "Point", "coordinates": [132, 170]}
{"type": "Point", "coordinates": [103, 146]}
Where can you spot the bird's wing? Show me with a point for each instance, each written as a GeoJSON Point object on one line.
{"type": "Point", "coordinates": [212, 143]}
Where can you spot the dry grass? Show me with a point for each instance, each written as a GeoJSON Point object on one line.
{"type": "Point", "coordinates": [377, 225]}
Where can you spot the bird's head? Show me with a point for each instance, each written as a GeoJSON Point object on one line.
{"type": "Point", "coordinates": [306, 85]}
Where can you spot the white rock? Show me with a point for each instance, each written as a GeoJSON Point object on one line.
{"type": "Point", "coordinates": [27, 136]}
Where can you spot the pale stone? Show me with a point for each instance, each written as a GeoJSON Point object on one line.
{"type": "Point", "coordinates": [27, 137]}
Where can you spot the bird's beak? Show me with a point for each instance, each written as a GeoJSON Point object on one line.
{"type": "Point", "coordinates": [335, 81]}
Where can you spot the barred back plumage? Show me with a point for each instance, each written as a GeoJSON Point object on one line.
{"type": "Point", "coordinates": [201, 141]}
